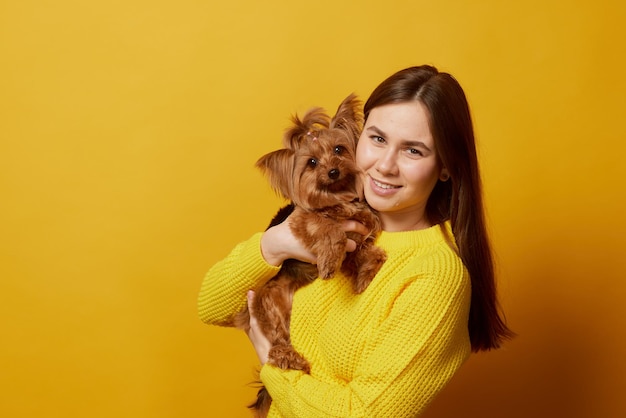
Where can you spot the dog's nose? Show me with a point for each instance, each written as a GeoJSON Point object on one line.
{"type": "Point", "coordinates": [333, 174]}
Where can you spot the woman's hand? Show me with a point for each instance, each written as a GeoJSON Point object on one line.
{"type": "Point", "coordinates": [260, 343]}
{"type": "Point", "coordinates": [279, 243]}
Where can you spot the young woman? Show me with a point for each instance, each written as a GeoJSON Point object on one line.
{"type": "Point", "coordinates": [388, 351]}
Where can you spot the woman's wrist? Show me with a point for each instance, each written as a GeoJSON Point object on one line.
{"type": "Point", "coordinates": [268, 249]}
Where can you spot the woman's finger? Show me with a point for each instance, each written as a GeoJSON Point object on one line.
{"type": "Point", "coordinates": [259, 341]}
{"type": "Point", "coordinates": [355, 226]}
{"type": "Point", "coordinates": [350, 245]}
{"type": "Point", "coordinates": [250, 297]}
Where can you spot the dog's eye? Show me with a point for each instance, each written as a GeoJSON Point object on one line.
{"type": "Point", "coordinates": [312, 162]}
{"type": "Point", "coordinates": [339, 150]}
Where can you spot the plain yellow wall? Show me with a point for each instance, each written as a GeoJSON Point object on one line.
{"type": "Point", "coordinates": [129, 130]}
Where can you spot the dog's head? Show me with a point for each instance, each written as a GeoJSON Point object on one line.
{"type": "Point", "coordinates": [317, 167]}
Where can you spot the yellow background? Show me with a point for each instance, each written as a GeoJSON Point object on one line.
{"type": "Point", "coordinates": [129, 130]}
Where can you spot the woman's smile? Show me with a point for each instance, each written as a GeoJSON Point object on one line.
{"type": "Point", "coordinates": [382, 188]}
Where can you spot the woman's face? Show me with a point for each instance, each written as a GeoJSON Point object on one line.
{"type": "Point", "coordinates": [397, 153]}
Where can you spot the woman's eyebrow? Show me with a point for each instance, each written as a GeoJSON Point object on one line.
{"type": "Point", "coordinates": [376, 130]}
{"type": "Point", "coordinates": [405, 143]}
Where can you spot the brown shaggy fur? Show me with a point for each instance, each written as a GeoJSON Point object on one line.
{"type": "Point", "coordinates": [316, 170]}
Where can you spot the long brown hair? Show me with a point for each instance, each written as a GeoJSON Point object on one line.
{"type": "Point", "coordinates": [459, 199]}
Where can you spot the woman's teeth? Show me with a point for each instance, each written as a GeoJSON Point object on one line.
{"type": "Point", "coordinates": [384, 185]}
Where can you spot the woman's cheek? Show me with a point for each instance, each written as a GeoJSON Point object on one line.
{"type": "Point", "coordinates": [363, 156]}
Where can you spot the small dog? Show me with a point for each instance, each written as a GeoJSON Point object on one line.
{"type": "Point", "coordinates": [316, 170]}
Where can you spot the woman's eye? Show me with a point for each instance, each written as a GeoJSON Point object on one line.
{"type": "Point", "coordinates": [339, 150]}
{"type": "Point", "coordinates": [378, 139]}
{"type": "Point", "coordinates": [312, 162]}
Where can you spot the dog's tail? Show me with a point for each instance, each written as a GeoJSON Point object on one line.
{"type": "Point", "coordinates": [261, 406]}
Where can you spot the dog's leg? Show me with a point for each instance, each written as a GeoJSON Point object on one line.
{"type": "Point", "coordinates": [273, 313]}
{"type": "Point", "coordinates": [273, 308]}
{"type": "Point", "coordinates": [331, 251]}
{"type": "Point", "coordinates": [364, 263]}
{"type": "Point", "coordinates": [323, 237]}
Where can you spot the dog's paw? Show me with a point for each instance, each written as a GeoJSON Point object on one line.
{"type": "Point", "coordinates": [327, 266]}
{"type": "Point", "coordinates": [361, 283]}
{"type": "Point", "coordinates": [326, 272]}
{"type": "Point", "coordinates": [370, 264]}
{"type": "Point", "coordinates": [286, 357]}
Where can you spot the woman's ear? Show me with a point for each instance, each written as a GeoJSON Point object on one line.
{"type": "Point", "coordinates": [444, 175]}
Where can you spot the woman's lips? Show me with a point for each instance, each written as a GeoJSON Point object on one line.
{"type": "Point", "coordinates": [382, 188]}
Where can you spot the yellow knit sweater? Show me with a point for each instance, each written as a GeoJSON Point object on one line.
{"type": "Point", "coordinates": [384, 353]}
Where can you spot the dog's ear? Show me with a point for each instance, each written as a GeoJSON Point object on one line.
{"type": "Point", "coordinates": [349, 117]}
{"type": "Point", "coordinates": [306, 129]}
{"type": "Point", "coordinates": [278, 167]}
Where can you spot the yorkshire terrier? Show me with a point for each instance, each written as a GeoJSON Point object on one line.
{"type": "Point", "coordinates": [316, 170]}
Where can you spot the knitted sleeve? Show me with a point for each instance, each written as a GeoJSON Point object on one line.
{"type": "Point", "coordinates": [223, 291]}
{"type": "Point", "coordinates": [409, 359]}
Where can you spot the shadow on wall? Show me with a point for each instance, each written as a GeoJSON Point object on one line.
{"type": "Point", "coordinates": [561, 364]}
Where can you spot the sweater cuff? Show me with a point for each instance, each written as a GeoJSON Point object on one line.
{"type": "Point", "coordinates": [275, 378]}
{"type": "Point", "coordinates": [252, 261]}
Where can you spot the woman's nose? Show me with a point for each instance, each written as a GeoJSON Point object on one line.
{"type": "Point", "coordinates": [386, 163]}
